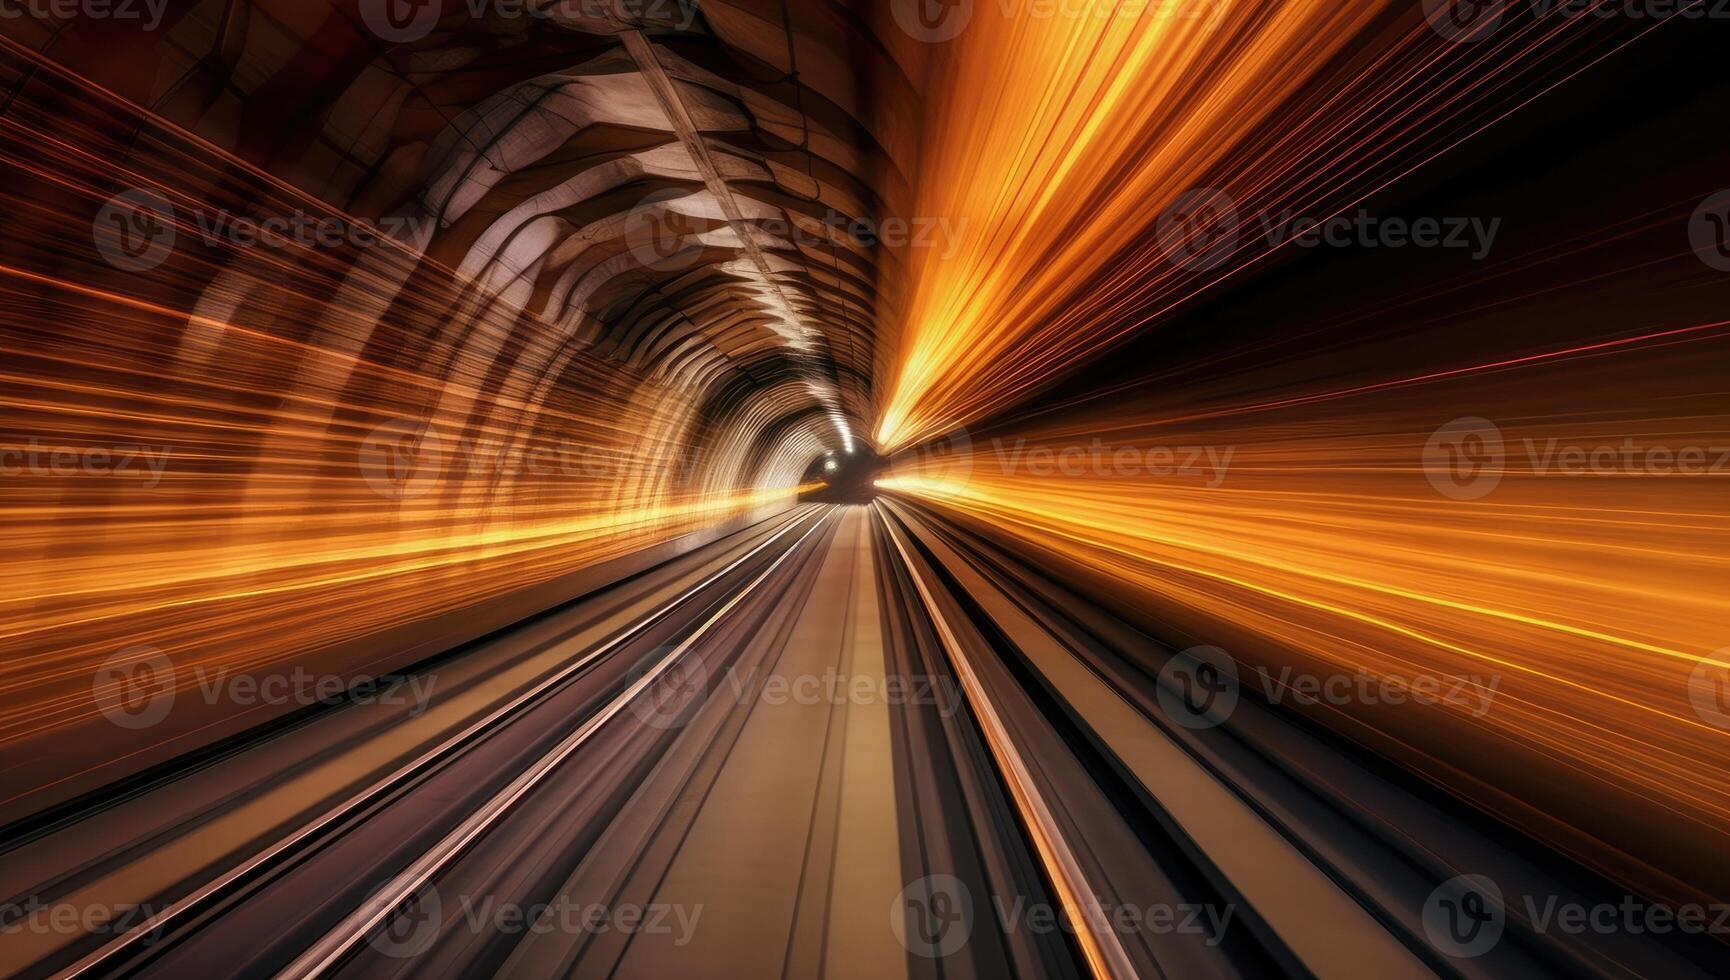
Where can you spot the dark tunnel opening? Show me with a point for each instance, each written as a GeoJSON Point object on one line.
{"type": "Point", "coordinates": [846, 476]}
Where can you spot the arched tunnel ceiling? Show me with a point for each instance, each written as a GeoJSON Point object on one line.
{"type": "Point", "coordinates": [685, 190]}
{"type": "Point", "coordinates": [631, 296]}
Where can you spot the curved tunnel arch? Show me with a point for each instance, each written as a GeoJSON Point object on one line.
{"type": "Point", "coordinates": [531, 156]}
{"type": "Point", "coordinates": [598, 286]}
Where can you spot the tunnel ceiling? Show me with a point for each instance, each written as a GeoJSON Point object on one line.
{"type": "Point", "coordinates": [685, 191]}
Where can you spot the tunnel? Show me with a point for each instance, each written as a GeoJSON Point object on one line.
{"type": "Point", "coordinates": [864, 488]}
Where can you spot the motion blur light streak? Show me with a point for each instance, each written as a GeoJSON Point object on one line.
{"type": "Point", "coordinates": [897, 489]}
{"type": "Point", "coordinates": [1325, 545]}
{"type": "Point", "coordinates": [1140, 129]}
{"type": "Point", "coordinates": [1063, 184]}
{"type": "Point", "coordinates": [1321, 545]}
{"type": "Point", "coordinates": [321, 471]}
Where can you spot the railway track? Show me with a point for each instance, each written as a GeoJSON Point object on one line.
{"type": "Point", "coordinates": [852, 741]}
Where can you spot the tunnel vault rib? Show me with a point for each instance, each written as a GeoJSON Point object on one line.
{"type": "Point", "coordinates": [648, 62]}
{"type": "Point", "coordinates": [525, 154]}
{"type": "Point", "coordinates": [509, 383]}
